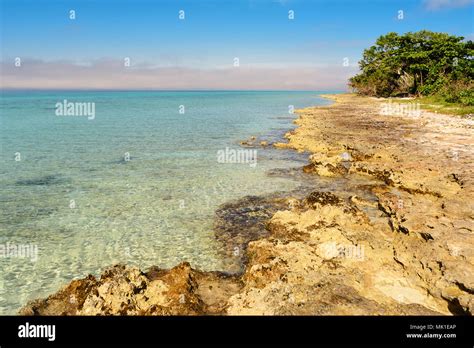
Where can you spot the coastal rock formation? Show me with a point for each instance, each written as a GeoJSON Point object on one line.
{"type": "Point", "coordinates": [125, 290]}
{"type": "Point", "coordinates": [327, 257]}
{"type": "Point", "coordinates": [394, 236]}
{"type": "Point", "coordinates": [425, 165]}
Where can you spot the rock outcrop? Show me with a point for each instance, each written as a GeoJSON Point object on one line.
{"type": "Point", "coordinates": [125, 290]}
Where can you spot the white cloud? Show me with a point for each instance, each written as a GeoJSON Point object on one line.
{"type": "Point", "coordinates": [111, 74]}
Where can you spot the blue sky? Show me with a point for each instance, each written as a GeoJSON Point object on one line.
{"type": "Point", "coordinates": [258, 32]}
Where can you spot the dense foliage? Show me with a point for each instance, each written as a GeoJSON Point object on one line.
{"type": "Point", "coordinates": [421, 64]}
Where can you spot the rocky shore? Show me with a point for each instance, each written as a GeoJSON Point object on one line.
{"type": "Point", "coordinates": [387, 229]}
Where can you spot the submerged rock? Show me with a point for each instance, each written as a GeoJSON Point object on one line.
{"type": "Point", "coordinates": [43, 180]}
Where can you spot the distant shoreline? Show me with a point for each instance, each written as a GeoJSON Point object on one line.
{"type": "Point", "coordinates": [161, 90]}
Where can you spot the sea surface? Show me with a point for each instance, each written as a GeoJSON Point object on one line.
{"type": "Point", "coordinates": [138, 183]}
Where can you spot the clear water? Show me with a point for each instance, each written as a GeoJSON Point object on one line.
{"type": "Point", "coordinates": [155, 209]}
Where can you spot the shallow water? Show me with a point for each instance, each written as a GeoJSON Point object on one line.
{"type": "Point", "coordinates": [138, 184]}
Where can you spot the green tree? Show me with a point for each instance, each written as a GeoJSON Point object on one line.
{"type": "Point", "coordinates": [421, 63]}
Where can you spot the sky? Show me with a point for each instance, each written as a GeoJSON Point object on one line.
{"type": "Point", "coordinates": [220, 44]}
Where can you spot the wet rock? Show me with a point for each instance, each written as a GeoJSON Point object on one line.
{"type": "Point", "coordinates": [239, 222]}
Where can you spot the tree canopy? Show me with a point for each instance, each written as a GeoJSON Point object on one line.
{"type": "Point", "coordinates": [421, 63]}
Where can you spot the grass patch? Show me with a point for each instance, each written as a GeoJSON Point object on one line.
{"type": "Point", "coordinates": [437, 104]}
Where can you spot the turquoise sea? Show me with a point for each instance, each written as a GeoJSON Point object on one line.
{"type": "Point", "coordinates": [138, 183]}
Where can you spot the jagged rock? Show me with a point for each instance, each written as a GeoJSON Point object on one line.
{"type": "Point", "coordinates": [125, 290]}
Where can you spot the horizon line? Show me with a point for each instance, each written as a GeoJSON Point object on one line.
{"type": "Point", "coordinates": [162, 90]}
